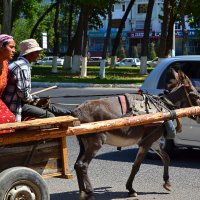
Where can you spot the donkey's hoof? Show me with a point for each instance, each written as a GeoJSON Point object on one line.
{"type": "Point", "coordinates": [132, 194]}
{"type": "Point", "coordinates": [86, 196]}
{"type": "Point", "coordinates": [167, 186]}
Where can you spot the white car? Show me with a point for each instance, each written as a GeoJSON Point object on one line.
{"type": "Point", "coordinates": [48, 61]}
{"type": "Point", "coordinates": [134, 62]}
{"type": "Point", "coordinates": [152, 63]}
{"type": "Point", "coordinates": [154, 84]}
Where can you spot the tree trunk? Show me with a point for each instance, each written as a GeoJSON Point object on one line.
{"type": "Point", "coordinates": [119, 33]}
{"type": "Point", "coordinates": [169, 43]}
{"type": "Point", "coordinates": [56, 39]}
{"type": "Point", "coordinates": [7, 16]}
{"type": "Point", "coordinates": [164, 29]}
{"type": "Point", "coordinates": [77, 42]}
{"type": "Point", "coordinates": [71, 10]}
{"type": "Point", "coordinates": [184, 30]}
{"type": "Point", "coordinates": [145, 41]}
{"type": "Point", "coordinates": [106, 41]}
{"type": "Point", "coordinates": [85, 44]}
{"type": "Point", "coordinates": [68, 58]}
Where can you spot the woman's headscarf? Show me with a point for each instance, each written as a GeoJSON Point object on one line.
{"type": "Point", "coordinates": [5, 38]}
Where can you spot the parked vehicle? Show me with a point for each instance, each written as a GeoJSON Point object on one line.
{"type": "Point", "coordinates": [95, 61]}
{"type": "Point", "coordinates": [154, 84]}
{"type": "Point", "coordinates": [152, 63]}
{"type": "Point", "coordinates": [48, 61]}
{"type": "Point", "coordinates": [134, 62]}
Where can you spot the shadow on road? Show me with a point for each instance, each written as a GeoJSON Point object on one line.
{"type": "Point", "coordinates": [65, 195]}
{"type": "Point", "coordinates": [188, 158]}
{"type": "Point", "coordinates": [102, 193]}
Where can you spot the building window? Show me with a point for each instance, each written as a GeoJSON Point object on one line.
{"type": "Point", "coordinates": [139, 25]}
{"type": "Point", "coordinates": [123, 7]}
{"type": "Point", "coordinates": [113, 8]}
{"type": "Point", "coordinates": [142, 8]}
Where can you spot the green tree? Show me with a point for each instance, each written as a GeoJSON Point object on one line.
{"type": "Point", "coordinates": [27, 9]}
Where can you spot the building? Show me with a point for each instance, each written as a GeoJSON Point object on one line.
{"type": "Point", "coordinates": [133, 29]}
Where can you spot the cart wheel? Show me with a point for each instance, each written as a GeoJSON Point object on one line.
{"type": "Point", "coordinates": [22, 183]}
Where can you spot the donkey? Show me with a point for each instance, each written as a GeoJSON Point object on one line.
{"type": "Point", "coordinates": [181, 94]}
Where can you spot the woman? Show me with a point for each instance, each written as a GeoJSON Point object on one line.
{"type": "Point", "coordinates": [7, 50]}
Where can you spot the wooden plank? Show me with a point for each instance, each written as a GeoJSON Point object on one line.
{"type": "Point", "coordinates": [130, 121]}
{"type": "Point", "coordinates": [27, 136]}
{"type": "Point", "coordinates": [56, 121]}
{"type": "Point", "coordinates": [65, 163]}
{"type": "Point", "coordinates": [42, 156]}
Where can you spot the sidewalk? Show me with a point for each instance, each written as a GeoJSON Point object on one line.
{"type": "Point", "coordinates": [81, 85]}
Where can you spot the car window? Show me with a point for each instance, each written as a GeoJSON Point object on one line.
{"type": "Point", "coordinates": [190, 68]}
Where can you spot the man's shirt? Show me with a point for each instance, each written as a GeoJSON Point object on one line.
{"type": "Point", "coordinates": [18, 86]}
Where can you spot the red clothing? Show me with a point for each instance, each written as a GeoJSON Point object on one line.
{"type": "Point", "coordinates": [6, 116]}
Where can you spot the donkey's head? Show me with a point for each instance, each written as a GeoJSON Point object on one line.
{"type": "Point", "coordinates": [181, 91]}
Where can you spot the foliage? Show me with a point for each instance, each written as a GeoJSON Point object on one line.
{"type": "Point", "coordinates": [192, 10]}
{"type": "Point", "coordinates": [21, 30]}
{"type": "Point", "coordinates": [26, 8]}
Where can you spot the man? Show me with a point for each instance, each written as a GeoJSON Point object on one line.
{"type": "Point", "coordinates": [17, 94]}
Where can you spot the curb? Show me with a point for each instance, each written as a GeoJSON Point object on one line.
{"type": "Point", "coordinates": [81, 85]}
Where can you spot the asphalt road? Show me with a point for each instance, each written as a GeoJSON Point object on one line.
{"type": "Point", "coordinates": [110, 169]}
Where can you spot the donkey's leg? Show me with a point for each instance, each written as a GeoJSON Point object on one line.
{"type": "Point", "coordinates": [78, 160]}
{"type": "Point", "coordinates": [91, 145]}
{"type": "Point", "coordinates": [166, 161]}
{"type": "Point", "coordinates": [151, 134]}
{"type": "Point", "coordinates": [135, 168]}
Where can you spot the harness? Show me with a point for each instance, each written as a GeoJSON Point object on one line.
{"type": "Point", "coordinates": [148, 104]}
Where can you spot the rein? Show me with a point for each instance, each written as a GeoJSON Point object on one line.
{"type": "Point", "coordinates": [189, 101]}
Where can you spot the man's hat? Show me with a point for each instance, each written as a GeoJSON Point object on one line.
{"type": "Point", "coordinates": [29, 46]}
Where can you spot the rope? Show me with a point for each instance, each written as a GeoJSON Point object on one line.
{"type": "Point", "coordinates": [161, 103]}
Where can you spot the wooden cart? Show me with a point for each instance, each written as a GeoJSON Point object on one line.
{"type": "Point", "coordinates": [36, 149]}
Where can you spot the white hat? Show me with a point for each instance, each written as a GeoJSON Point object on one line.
{"type": "Point", "coordinates": [29, 46]}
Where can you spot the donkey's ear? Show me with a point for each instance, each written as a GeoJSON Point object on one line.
{"type": "Point", "coordinates": [175, 74]}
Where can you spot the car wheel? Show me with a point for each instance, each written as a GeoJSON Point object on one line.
{"type": "Point", "coordinates": [22, 183]}
{"type": "Point", "coordinates": [166, 144]}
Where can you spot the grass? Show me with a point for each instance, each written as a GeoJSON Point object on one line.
{"type": "Point", "coordinates": [120, 75]}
